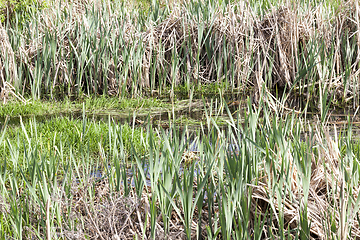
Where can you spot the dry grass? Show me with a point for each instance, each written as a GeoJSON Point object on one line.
{"type": "Point", "coordinates": [109, 215]}
{"type": "Point", "coordinates": [237, 46]}
{"type": "Point", "coordinates": [267, 51]}
{"type": "Point", "coordinates": [81, 206]}
{"type": "Point", "coordinates": [6, 77]}
{"type": "Point", "coordinates": [277, 43]}
{"type": "Point", "coordinates": [328, 195]}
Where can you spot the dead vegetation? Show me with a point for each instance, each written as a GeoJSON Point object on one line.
{"type": "Point", "coordinates": [7, 72]}
{"type": "Point", "coordinates": [290, 47]}
{"type": "Point", "coordinates": [112, 215]}
{"type": "Point", "coordinates": [305, 50]}
{"type": "Point", "coordinates": [328, 196]}
{"type": "Point", "coordinates": [115, 216]}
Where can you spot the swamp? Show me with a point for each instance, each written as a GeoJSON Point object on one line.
{"type": "Point", "coordinates": [191, 119]}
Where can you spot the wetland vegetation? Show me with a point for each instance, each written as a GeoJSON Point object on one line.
{"type": "Point", "coordinates": [179, 120]}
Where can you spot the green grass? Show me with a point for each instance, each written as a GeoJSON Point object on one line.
{"type": "Point", "coordinates": [18, 12]}
{"type": "Point", "coordinates": [74, 135]}
{"type": "Point", "coordinates": [289, 178]}
{"type": "Point", "coordinates": [48, 179]}
{"type": "Point", "coordinates": [207, 90]}
{"type": "Point", "coordinates": [17, 108]}
{"type": "Point", "coordinates": [93, 105]}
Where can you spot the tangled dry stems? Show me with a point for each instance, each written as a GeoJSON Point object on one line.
{"type": "Point", "coordinates": [277, 38]}
{"type": "Point", "coordinates": [111, 215]}
{"type": "Point", "coordinates": [328, 194]}
{"type": "Point", "coordinates": [237, 39]}
{"type": "Point", "coordinates": [6, 54]}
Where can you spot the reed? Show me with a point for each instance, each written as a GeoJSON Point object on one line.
{"type": "Point", "coordinates": [266, 175]}
{"type": "Point", "coordinates": [109, 48]}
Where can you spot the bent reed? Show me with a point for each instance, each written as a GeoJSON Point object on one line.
{"type": "Point", "coordinates": [308, 51]}
{"type": "Point", "coordinates": [269, 174]}
{"type": "Point", "coordinates": [261, 179]}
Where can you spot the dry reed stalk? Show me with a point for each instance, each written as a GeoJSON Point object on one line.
{"type": "Point", "coordinates": [4, 208]}
{"type": "Point", "coordinates": [110, 215]}
{"type": "Point", "coordinates": [271, 35]}
{"type": "Point", "coordinates": [326, 177]}
{"type": "Point", "coordinates": [6, 54]}
{"type": "Point", "coordinates": [276, 41]}
{"type": "Point", "coordinates": [48, 227]}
